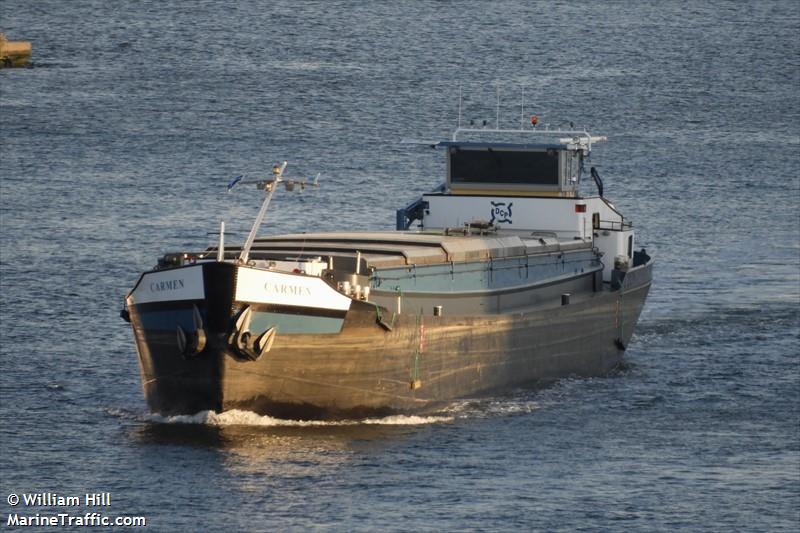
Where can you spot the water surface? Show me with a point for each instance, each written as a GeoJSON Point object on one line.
{"type": "Point", "coordinates": [117, 145]}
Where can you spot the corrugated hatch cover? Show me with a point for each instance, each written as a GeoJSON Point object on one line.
{"type": "Point", "coordinates": [392, 249]}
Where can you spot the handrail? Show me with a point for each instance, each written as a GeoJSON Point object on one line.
{"type": "Point", "coordinates": [614, 225]}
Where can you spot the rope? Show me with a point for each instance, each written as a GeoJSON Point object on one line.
{"type": "Point", "coordinates": [379, 318]}
{"type": "Point", "coordinates": [414, 370]}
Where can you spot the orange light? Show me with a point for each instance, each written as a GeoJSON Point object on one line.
{"type": "Point", "coordinates": [580, 208]}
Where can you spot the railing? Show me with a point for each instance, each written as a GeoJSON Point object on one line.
{"type": "Point", "coordinates": [581, 139]}
{"type": "Point", "coordinates": [614, 225]}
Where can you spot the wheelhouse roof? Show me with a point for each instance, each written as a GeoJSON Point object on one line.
{"type": "Point", "coordinates": [500, 145]}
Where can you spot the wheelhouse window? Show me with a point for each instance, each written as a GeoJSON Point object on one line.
{"type": "Point", "coordinates": [490, 165]}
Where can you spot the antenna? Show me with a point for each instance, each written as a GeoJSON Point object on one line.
{"type": "Point", "coordinates": [221, 247]}
{"type": "Point", "coordinates": [497, 120]}
{"type": "Point", "coordinates": [459, 105]}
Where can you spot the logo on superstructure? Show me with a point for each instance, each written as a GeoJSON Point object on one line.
{"type": "Point", "coordinates": [501, 213]}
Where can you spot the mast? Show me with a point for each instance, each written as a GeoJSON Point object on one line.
{"type": "Point", "coordinates": [277, 172]}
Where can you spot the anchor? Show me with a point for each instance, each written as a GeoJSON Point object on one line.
{"type": "Point", "coordinates": [192, 344]}
{"type": "Point", "coordinates": [245, 343]}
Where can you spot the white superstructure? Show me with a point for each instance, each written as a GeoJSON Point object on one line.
{"type": "Point", "coordinates": [526, 188]}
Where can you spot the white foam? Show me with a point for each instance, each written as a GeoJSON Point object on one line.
{"type": "Point", "coordinates": [236, 417]}
{"type": "Point", "coordinates": [491, 407]}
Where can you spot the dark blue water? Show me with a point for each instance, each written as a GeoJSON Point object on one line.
{"type": "Point", "coordinates": [117, 145]}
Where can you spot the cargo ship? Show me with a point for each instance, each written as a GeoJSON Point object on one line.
{"type": "Point", "coordinates": [504, 276]}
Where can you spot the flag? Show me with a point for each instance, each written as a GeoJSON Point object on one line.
{"type": "Point", "coordinates": [233, 182]}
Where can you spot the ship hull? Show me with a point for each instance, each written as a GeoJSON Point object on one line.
{"type": "Point", "coordinates": [367, 360]}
